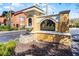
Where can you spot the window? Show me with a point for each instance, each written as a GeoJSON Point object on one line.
{"type": "Point", "coordinates": [21, 18]}
{"type": "Point", "coordinates": [30, 22]}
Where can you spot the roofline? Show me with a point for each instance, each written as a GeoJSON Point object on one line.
{"type": "Point", "coordinates": [29, 8]}
{"type": "Point", "coordinates": [1, 16]}
{"type": "Point", "coordinates": [64, 12]}
{"type": "Point", "coordinates": [48, 15]}
{"type": "Point", "coordinates": [16, 13]}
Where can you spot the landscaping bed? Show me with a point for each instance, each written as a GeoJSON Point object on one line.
{"type": "Point", "coordinates": [47, 49]}
{"type": "Point", "coordinates": [33, 48]}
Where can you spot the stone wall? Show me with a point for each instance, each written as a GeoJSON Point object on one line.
{"type": "Point", "coordinates": [54, 37]}
{"type": "Point", "coordinates": [64, 21]}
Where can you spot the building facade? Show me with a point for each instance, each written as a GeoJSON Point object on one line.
{"type": "Point", "coordinates": [2, 20]}
{"type": "Point", "coordinates": [19, 20]}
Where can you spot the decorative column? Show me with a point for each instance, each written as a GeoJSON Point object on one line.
{"type": "Point", "coordinates": [36, 25]}
{"type": "Point", "coordinates": [64, 21]}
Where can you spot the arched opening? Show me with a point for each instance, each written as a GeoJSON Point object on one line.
{"type": "Point", "coordinates": [47, 25]}
{"type": "Point", "coordinates": [30, 22]}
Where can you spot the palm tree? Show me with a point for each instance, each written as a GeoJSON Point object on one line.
{"type": "Point", "coordinates": [5, 14]}
{"type": "Point", "coordinates": [8, 15]}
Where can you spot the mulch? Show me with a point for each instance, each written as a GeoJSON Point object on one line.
{"type": "Point", "coordinates": [42, 49]}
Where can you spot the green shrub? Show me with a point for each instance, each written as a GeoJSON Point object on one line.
{"type": "Point", "coordinates": [1, 44]}
{"type": "Point", "coordinates": [7, 52]}
{"type": "Point", "coordinates": [2, 49]}
{"type": "Point", "coordinates": [11, 29]}
{"type": "Point", "coordinates": [23, 27]}
{"type": "Point", "coordinates": [7, 48]}
{"type": "Point", "coordinates": [4, 28]}
{"type": "Point", "coordinates": [16, 29]}
{"type": "Point", "coordinates": [76, 24]}
{"type": "Point", "coordinates": [10, 44]}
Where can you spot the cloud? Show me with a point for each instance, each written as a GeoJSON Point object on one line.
{"type": "Point", "coordinates": [8, 7]}
{"type": "Point", "coordinates": [17, 4]}
{"type": "Point", "coordinates": [50, 9]}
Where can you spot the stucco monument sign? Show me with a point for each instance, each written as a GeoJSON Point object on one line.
{"type": "Point", "coordinates": [48, 28]}
{"type": "Point", "coordinates": [52, 28]}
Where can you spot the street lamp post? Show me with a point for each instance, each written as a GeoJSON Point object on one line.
{"type": "Point", "coordinates": [46, 9]}
{"type": "Point", "coordinates": [9, 18]}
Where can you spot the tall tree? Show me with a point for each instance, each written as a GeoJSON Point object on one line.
{"type": "Point", "coordinates": [8, 15]}
{"type": "Point", "coordinates": [4, 13]}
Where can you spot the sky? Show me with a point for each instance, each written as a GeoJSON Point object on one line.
{"type": "Point", "coordinates": [53, 8]}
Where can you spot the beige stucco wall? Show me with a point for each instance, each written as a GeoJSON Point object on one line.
{"type": "Point", "coordinates": [35, 24]}
{"type": "Point", "coordinates": [63, 39]}
{"type": "Point", "coordinates": [57, 26]}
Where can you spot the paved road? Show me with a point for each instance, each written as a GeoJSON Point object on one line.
{"type": "Point", "coordinates": [5, 36]}
{"type": "Point", "coordinates": [75, 41]}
